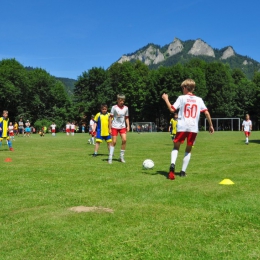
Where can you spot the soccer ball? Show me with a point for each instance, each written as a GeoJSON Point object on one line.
{"type": "Point", "coordinates": [148, 164]}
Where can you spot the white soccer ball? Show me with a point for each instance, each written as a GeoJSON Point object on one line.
{"type": "Point", "coordinates": [148, 164]}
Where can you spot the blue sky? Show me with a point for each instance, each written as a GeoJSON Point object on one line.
{"type": "Point", "coordinates": [67, 37]}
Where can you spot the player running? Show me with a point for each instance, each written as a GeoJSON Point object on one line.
{"type": "Point", "coordinates": [190, 107]}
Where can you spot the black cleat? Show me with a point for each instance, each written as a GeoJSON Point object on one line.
{"type": "Point", "coordinates": [182, 174]}
{"type": "Point", "coordinates": [94, 155]}
{"type": "Point", "coordinates": [172, 167]}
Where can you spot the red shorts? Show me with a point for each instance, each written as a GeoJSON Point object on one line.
{"type": "Point", "coordinates": [247, 133]}
{"type": "Point", "coordinates": [53, 130]}
{"type": "Point", "coordinates": [11, 133]}
{"type": "Point", "coordinates": [93, 134]}
{"type": "Point", "coordinates": [114, 131]}
{"type": "Point", "coordinates": [181, 136]}
{"type": "Point", "coordinates": [67, 130]}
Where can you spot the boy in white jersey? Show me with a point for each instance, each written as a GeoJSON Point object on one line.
{"type": "Point", "coordinates": [118, 123]}
{"type": "Point", "coordinates": [53, 129]}
{"type": "Point", "coordinates": [190, 107]}
{"type": "Point", "coordinates": [11, 131]}
{"type": "Point", "coordinates": [91, 140]}
{"type": "Point", "coordinates": [247, 127]}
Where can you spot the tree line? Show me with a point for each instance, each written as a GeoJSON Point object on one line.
{"type": "Point", "coordinates": [40, 97]}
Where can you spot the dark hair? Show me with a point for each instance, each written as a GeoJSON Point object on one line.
{"type": "Point", "coordinates": [103, 105]}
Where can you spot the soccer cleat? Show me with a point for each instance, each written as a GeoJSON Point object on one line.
{"type": "Point", "coordinates": [109, 161]}
{"type": "Point", "coordinates": [122, 159]}
{"type": "Point", "coordinates": [182, 174]}
{"type": "Point", "coordinates": [172, 167]}
{"type": "Point", "coordinates": [11, 149]}
{"type": "Point", "coordinates": [171, 176]}
{"type": "Point", "coordinates": [94, 155]}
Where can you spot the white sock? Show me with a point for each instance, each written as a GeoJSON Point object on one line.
{"type": "Point", "coordinates": [174, 155]}
{"type": "Point", "coordinates": [92, 140]}
{"type": "Point", "coordinates": [122, 153]}
{"type": "Point", "coordinates": [111, 152]}
{"type": "Point", "coordinates": [186, 161]}
{"type": "Point", "coordinates": [246, 139]}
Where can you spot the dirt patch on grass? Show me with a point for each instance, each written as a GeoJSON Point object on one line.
{"type": "Point", "coordinates": [79, 209]}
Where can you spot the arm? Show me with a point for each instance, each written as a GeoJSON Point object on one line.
{"type": "Point", "coordinates": [94, 127]}
{"type": "Point", "coordinates": [211, 129]}
{"type": "Point", "coordinates": [110, 124]}
{"type": "Point", "coordinates": [127, 124]}
{"type": "Point", "coordinates": [166, 99]}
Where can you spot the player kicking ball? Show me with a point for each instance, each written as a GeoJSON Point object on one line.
{"type": "Point", "coordinates": [190, 107]}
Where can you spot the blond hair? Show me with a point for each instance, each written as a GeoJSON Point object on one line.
{"type": "Point", "coordinates": [189, 84]}
{"type": "Point", "coordinates": [120, 96]}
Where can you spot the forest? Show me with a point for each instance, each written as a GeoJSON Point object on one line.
{"type": "Point", "coordinates": [40, 97]}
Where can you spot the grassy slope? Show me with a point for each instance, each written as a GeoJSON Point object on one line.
{"type": "Point", "coordinates": [154, 218]}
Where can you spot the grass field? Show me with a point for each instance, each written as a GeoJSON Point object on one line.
{"type": "Point", "coordinates": [153, 217]}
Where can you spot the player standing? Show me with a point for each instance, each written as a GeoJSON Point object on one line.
{"type": "Point", "coordinates": [190, 107]}
{"type": "Point", "coordinates": [101, 127]}
{"type": "Point", "coordinates": [53, 129]}
{"type": "Point", "coordinates": [173, 125]}
{"type": "Point", "coordinates": [91, 140]}
{"type": "Point", "coordinates": [247, 127]}
{"type": "Point", "coordinates": [4, 120]}
{"type": "Point", "coordinates": [118, 124]}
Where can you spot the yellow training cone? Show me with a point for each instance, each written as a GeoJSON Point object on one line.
{"type": "Point", "coordinates": [226, 182]}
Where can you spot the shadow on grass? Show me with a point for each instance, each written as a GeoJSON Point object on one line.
{"type": "Point", "coordinates": [163, 173]}
{"type": "Point", "coordinates": [98, 155]}
{"type": "Point", "coordinates": [254, 141]}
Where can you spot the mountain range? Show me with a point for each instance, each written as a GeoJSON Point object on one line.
{"type": "Point", "coordinates": [182, 51]}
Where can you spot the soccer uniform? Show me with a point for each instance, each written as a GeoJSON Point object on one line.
{"type": "Point", "coordinates": [11, 130]}
{"type": "Point", "coordinates": [53, 128]}
{"type": "Point", "coordinates": [102, 121]}
{"type": "Point", "coordinates": [4, 122]}
{"type": "Point", "coordinates": [119, 114]}
{"type": "Point", "coordinates": [16, 128]}
{"type": "Point", "coordinates": [72, 128]}
{"type": "Point", "coordinates": [247, 127]}
{"type": "Point", "coordinates": [173, 123]}
{"type": "Point", "coordinates": [68, 129]}
{"type": "Point", "coordinates": [91, 125]}
{"type": "Point", "coordinates": [190, 107]}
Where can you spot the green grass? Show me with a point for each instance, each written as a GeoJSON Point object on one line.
{"type": "Point", "coordinates": [154, 218]}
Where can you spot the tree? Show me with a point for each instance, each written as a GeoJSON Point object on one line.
{"type": "Point", "coordinates": [221, 90]}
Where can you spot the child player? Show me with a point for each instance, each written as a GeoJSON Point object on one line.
{"type": "Point", "coordinates": [4, 120]}
{"type": "Point", "coordinates": [118, 124]}
{"type": "Point", "coordinates": [247, 127]}
{"type": "Point", "coordinates": [91, 140]}
{"type": "Point", "coordinates": [173, 125]}
{"type": "Point", "coordinates": [101, 127]}
{"type": "Point", "coordinates": [53, 129]}
{"type": "Point", "coordinates": [190, 107]}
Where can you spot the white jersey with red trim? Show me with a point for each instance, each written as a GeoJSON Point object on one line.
{"type": "Point", "coordinates": [247, 125]}
{"type": "Point", "coordinates": [119, 115]}
{"type": "Point", "coordinates": [91, 125]}
{"type": "Point", "coordinates": [11, 129]}
{"type": "Point", "coordinates": [190, 107]}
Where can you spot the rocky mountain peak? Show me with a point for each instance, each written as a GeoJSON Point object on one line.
{"type": "Point", "coordinates": [229, 52]}
{"type": "Point", "coordinates": [201, 48]}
